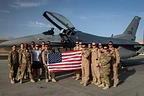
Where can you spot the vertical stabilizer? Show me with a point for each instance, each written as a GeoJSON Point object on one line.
{"type": "Point", "coordinates": [130, 32]}
{"type": "Point", "coordinates": [132, 27]}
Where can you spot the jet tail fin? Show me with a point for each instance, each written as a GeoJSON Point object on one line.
{"type": "Point", "coordinates": [130, 32]}
{"type": "Point", "coordinates": [132, 27]}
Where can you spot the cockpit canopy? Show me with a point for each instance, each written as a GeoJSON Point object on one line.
{"type": "Point", "coordinates": [58, 20]}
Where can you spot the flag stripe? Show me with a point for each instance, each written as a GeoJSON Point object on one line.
{"type": "Point", "coordinates": [69, 66]}
{"type": "Point", "coordinates": [65, 63]}
{"type": "Point", "coordinates": [63, 69]}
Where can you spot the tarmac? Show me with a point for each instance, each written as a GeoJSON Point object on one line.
{"type": "Point", "coordinates": [131, 83]}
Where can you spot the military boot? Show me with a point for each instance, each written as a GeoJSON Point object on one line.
{"type": "Point", "coordinates": [106, 87]}
{"type": "Point", "coordinates": [84, 84]}
{"type": "Point", "coordinates": [115, 85]}
{"type": "Point", "coordinates": [32, 80]}
{"type": "Point", "coordinates": [47, 80]}
{"type": "Point", "coordinates": [102, 85]}
{"type": "Point", "coordinates": [81, 82]}
{"type": "Point", "coordinates": [53, 80]}
{"type": "Point", "coordinates": [21, 81]}
{"type": "Point", "coordinates": [12, 81]}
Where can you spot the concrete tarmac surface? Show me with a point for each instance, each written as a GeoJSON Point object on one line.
{"type": "Point", "coordinates": [131, 83]}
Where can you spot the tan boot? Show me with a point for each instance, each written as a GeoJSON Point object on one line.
{"type": "Point", "coordinates": [32, 80]}
{"type": "Point", "coordinates": [85, 84]}
{"type": "Point", "coordinates": [12, 81]}
{"type": "Point", "coordinates": [77, 78]}
{"type": "Point", "coordinates": [53, 80]}
{"type": "Point", "coordinates": [115, 85]}
{"type": "Point", "coordinates": [106, 87]}
{"type": "Point", "coordinates": [102, 85]}
{"type": "Point", "coordinates": [96, 83]}
{"type": "Point", "coordinates": [21, 81]}
{"type": "Point", "coordinates": [73, 77]}
{"type": "Point", "coordinates": [47, 80]}
{"type": "Point", "coordinates": [81, 83]}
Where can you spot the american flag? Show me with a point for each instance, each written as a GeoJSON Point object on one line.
{"type": "Point", "coordinates": [65, 61]}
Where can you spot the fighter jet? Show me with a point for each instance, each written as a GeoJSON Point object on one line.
{"type": "Point", "coordinates": [68, 35]}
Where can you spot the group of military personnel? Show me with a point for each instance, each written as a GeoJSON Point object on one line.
{"type": "Point", "coordinates": [25, 63]}
{"type": "Point", "coordinates": [99, 63]}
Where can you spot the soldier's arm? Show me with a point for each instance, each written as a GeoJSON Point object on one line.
{"type": "Point", "coordinates": [105, 60]}
{"type": "Point", "coordinates": [43, 58]}
{"type": "Point", "coordinates": [9, 59]}
{"type": "Point", "coordinates": [117, 57]}
{"type": "Point", "coordinates": [31, 58]}
{"type": "Point", "coordinates": [86, 54]}
{"type": "Point", "coordinates": [20, 57]}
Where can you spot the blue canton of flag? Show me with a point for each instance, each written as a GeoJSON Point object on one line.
{"type": "Point", "coordinates": [55, 57]}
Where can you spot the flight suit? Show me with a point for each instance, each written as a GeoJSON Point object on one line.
{"type": "Point", "coordinates": [104, 60]}
{"type": "Point", "coordinates": [114, 70]}
{"type": "Point", "coordinates": [77, 72]}
{"type": "Point", "coordinates": [85, 67]}
{"type": "Point", "coordinates": [25, 59]}
{"type": "Point", "coordinates": [13, 65]}
{"type": "Point", "coordinates": [47, 73]}
{"type": "Point", "coordinates": [89, 58]}
{"type": "Point", "coordinates": [94, 66]}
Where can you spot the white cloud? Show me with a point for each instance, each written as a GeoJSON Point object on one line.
{"type": "Point", "coordinates": [38, 24]}
{"type": "Point", "coordinates": [5, 11]}
{"type": "Point", "coordinates": [20, 3]}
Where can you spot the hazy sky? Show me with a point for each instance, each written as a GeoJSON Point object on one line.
{"type": "Point", "coordinates": [99, 17]}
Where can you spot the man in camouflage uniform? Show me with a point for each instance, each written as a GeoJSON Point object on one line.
{"type": "Point", "coordinates": [104, 63]}
{"type": "Point", "coordinates": [48, 75]}
{"type": "Point", "coordinates": [42, 49]}
{"type": "Point", "coordinates": [85, 66]}
{"type": "Point", "coordinates": [94, 65]}
{"type": "Point", "coordinates": [25, 59]}
{"type": "Point", "coordinates": [114, 63]}
{"type": "Point", "coordinates": [19, 52]}
{"type": "Point", "coordinates": [13, 63]}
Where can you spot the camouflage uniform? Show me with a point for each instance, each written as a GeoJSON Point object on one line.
{"type": "Point", "coordinates": [25, 59]}
{"type": "Point", "coordinates": [85, 67]}
{"type": "Point", "coordinates": [94, 66]}
{"type": "Point", "coordinates": [114, 62]}
{"type": "Point", "coordinates": [13, 64]}
{"type": "Point", "coordinates": [45, 60]}
{"type": "Point", "coordinates": [19, 67]}
{"type": "Point", "coordinates": [104, 60]}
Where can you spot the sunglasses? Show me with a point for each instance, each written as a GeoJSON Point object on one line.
{"type": "Point", "coordinates": [110, 44]}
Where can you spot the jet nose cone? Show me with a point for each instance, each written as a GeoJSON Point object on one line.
{"type": "Point", "coordinates": [3, 44]}
{"type": "Point", "coordinates": [17, 41]}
